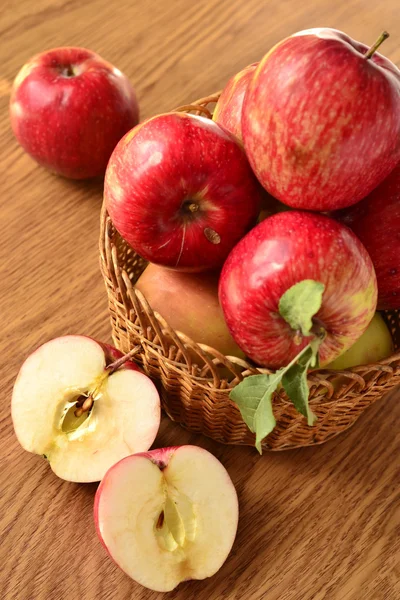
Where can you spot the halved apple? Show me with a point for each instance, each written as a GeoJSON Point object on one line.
{"type": "Point", "coordinates": [71, 405]}
{"type": "Point", "coordinates": [167, 515]}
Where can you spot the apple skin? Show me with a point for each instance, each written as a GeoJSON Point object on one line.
{"type": "Point", "coordinates": [180, 191]}
{"type": "Point", "coordinates": [228, 110]}
{"type": "Point", "coordinates": [69, 108]}
{"type": "Point", "coordinates": [189, 303]}
{"type": "Point", "coordinates": [374, 345]}
{"type": "Point", "coordinates": [376, 222]}
{"type": "Point", "coordinates": [321, 123]}
{"type": "Point", "coordinates": [281, 251]}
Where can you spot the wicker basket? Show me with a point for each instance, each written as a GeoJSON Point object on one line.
{"type": "Point", "coordinates": [195, 380]}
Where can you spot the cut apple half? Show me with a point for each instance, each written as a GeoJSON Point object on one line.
{"type": "Point", "coordinates": [72, 406]}
{"type": "Point", "coordinates": [167, 515]}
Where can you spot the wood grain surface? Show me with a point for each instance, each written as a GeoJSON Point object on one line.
{"type": "Point", "coordinates": [316, 524]}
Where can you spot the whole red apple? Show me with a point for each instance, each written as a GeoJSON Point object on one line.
{"type": "Point", "coordinates": [181, 192]}
{"type": "Point", "coordinates": [283, 250]}
{"type": "Point", "coordinates": [321, 120]}
{"type": "Point", "coordinates": [69, 108]}
{"type": "Point", "coordinates": [376, 221]}
{"type": "Point", "coordinates": [228, 110]}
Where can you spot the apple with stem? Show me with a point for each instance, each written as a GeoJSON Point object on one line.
{"type": "Point", "coordinates": [84, 406]}
{"type": "Point", "coordinates": [228, 110]}
{"type": "Point", "coordinates": [280, 253]}
{"type": "Point", "coordinates": [69, 108]}
{"type": "Point", "coordinates": [180, 191]}
{"type": "Point", "coordinates": [167, 516]}
{"type": "Point", "coordinates": [321, 120]}
{"type": "Point", "coordinates": [189, 303]}
{"type": "Point", "coordinates": [376, 222]}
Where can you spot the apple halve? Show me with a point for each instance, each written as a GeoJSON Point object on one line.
{"type": "Point", "coordinates": [56, 380]}
{"type": "Point", "coordinates": [167, 516]}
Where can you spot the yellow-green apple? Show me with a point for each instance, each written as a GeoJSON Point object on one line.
{"type": "Point", "coordinates": [321, 120]}
{"type": "Point", "coordinates": [181, 192]}
{"type": "Point", "coordinates": [283, 250]}
{"type": "Point", "coordinates": [228, 110]}
{"type": "Point", "coordinates": [374, 345]}
{"type": "Point", "coordinates": [189, 303]}
{"type": "Point", "coordinates": [81, 405]}
{"type": "Point", "coordinates": [376, 221]}
{"type": "Point", "coordinates": [69, 108]}
{"type": "Point", "coordinates": [167, 515]}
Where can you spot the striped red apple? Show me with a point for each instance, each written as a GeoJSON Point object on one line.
{"type": "Point", "coordinates": [321, 120]}
{"type": "Point", "coordinates": [181, 192]}
{"type": "Point", "coordinates": [283, 250]}
{"type": "Point", "coordinates": [228, 110]}
{"type": "Point", "coordinates": [69, 107]}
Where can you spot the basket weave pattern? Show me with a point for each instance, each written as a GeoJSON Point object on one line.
{"type": "Point", "coordinates": [195, 380]}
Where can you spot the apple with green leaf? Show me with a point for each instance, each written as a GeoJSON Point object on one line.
{"type": "Point", "coordinates": [167, 516]}
{"type": "Point", "coordinates": [321, 119]}
{"type": "Point", "coordinates": [84, 406]}
{"type": "Point", "coordinates": [298, 290]}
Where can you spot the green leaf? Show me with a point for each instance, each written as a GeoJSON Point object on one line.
{"type": "Point", "coordinates": [295, 384]}
{"type": "Point", "coordinates": [300, 303]}
{"type": "Point", "coordinates": [253, 395]}
{"type": "Point", "coordinates": [254, 399]}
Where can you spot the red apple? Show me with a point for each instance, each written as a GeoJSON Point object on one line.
{"type": "Point", "coordinates": [228, 111]}
{"type": "Point", "coordinates": [321, 120]}
{"type": "Point", "coordinates": [189, 303]}
{"type": "Point", "coordinates": [69, 108]}
{"type": "Point", "coordinates": [376, 221]}
{"type": "Point", "coordinates": [283, 250]}
{"type": "Point", "coordinates": [181, 192]}
{"type": "Point", "coordinates": [167, 516]}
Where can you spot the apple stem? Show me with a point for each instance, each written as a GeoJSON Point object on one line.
{"type": "Point", "coordinates": [384, 36]}
{"type": "Point", "coordinates": [85, 403]}
{"type": "Point", "coordinates": [121, 361]}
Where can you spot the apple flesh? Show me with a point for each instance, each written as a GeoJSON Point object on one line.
{"type": "Point", "coordinates": [167, 516]}
{"type": "Point", "coordinates": [189, 303]}
{"type": "Point", "coordinates": [283, 250]}
{"type": "Point", "coordinates": [180, 191]}
{"type": "Point", "coordinates": [228, 110]}
{"type": "Point", "coordinates": [376, 222]}
{"type": "Point", "coordinates": [124, 416]}
{"type": "Point", "coordinates": [68, 110]}
{"type": "Point", "coordinates": [321, 121]}
{"type": "Point", "coordinates": [374, 345]}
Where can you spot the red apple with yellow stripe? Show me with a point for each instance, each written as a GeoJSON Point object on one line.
{"type": "Point", "coordinates": [283, 250]}
{"type": "Point", "coordinates": [321, 120]}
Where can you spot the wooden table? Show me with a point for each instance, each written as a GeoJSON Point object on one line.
{"type": "Point", "coordinates": [316, 524]}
